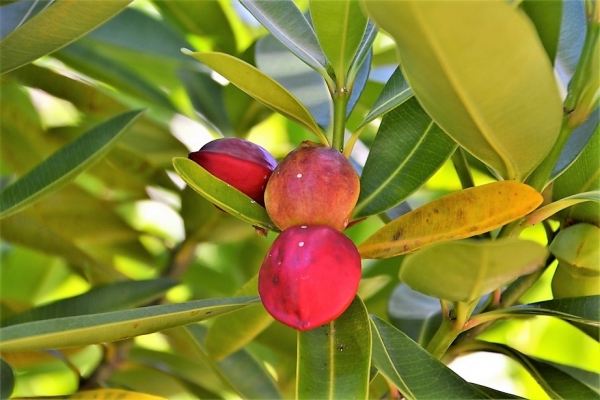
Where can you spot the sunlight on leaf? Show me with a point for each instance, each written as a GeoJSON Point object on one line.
{"type": "Point", "coordinates": [550, 209]}
{"type": "Point", "coordinates": [222, 194]}
{"type": "Point", "coordinates": [459, 215]}
{"type": "Point", "coordinates": [466, 270]}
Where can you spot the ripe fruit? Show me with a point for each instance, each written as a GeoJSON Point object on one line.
{"type": "Point", "coordinates": [244, 165]}
{"type": "Point", "coordinates": [313, 185]}
{"type": "Point", "coordinates": [309, 276]}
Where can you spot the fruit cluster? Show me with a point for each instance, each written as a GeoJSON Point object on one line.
{"type": "Point", "coordinates": [311, 273]}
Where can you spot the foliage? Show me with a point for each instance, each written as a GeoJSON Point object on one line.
{"type": "Point", "coordinates": [473, 127]}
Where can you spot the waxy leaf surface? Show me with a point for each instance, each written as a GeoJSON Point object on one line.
{"type": "Point", "coordinates": [64, 165]}
{"type": "Point", "coordinates": [260, 86]}
{"type": "Point", "coordinates": [334, 359]}
{"type": "Point", "coordinates": [456, 216]}
{"type": "Point", "coordinates": [63, 22]}
{"type": "Point", "coordinates": [411, 368]}
{"type": "Point", "coordinates": [111, 326]}
{"type": "Point", "coordinates": [222, 194]}
{"type": "Point", "coordinates": [466, 270]}
{"type": "Point", "coordinates": [481, 72]}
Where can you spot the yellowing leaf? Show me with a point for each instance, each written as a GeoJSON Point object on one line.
{"type": "Point", "coordinates": [456, 216]}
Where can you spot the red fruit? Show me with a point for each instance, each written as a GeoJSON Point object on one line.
{"type": "Point", "coordinates": [309, 276]}
{"type": "Point", "coordinates": [313, 185]}
{"type": "Point", "coordinates": [244, 165]}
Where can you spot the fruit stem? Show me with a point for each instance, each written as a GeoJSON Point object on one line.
{"type": "Point", "coordinates": [461, 166]}
{"type": "Point", "coordinates": [340, 104]}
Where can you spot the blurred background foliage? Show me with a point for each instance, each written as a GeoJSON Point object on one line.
{"type": "Point", "coordinates": [130, 218]}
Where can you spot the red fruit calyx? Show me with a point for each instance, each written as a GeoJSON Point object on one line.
{"type": "Point", "coordinates": [313, 185]}
{"type": "Point", "coordinates": [309, 276]}
{"type": "Point", "coordinates": [244, 165]}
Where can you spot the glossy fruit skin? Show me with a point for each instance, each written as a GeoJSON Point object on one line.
{"type": "Point", "coordinates": [312, 185]}
{"type": "Point", "coordinates": [243, 164]}
{"type": "Point", "coordinates": [309, 276]}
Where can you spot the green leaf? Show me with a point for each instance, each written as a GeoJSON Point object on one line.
{"type": "Point", "coordinates": [64, 165]}
{"type": "Point", "coordinates": [482, 74]}
{"type": "Point", "coordinates": [578, 139]}
{"type": "Point", "coordinates": [364, 49]}
{"type": "Point", "coordinates": [582, 176]}
{"type": "Point", "coordinates": [340, 26]}
{"type": "Point", "coordinates": [204, 19]}
{"type": "Point", "coordinates": [285, 21]}
{"type": "Point", "coordinates": [456, 216]}
{"type": "Point", "coordinates": [493, 393]}
{"type": "Point", "coordinates": [48, 32]}
{"type": "Point", "coordinates": [111, 326]}
{"type": "Point", "coordinates": [246, 375]}
{"type": "Point", "coordinates": [334, 359]}
{"type": "Point", "coordinates": [408, 149]}
{"type": "Point", "coordinates": [413, 370]}
{"type": "Point", "coordinates": [466, 270]}
{"type": "Point", "coordinates": [555, 382]}
{"type": "Point", "coordinates": [230, 332]}
{"type": "Point", "coordinates": [395, 92]}
{"type": "Point", "coordinates": [415, 314]}
{"type": "Point", "coordinates": [577, 245]}
{"type": "Point", "coordinates": [261, 87]}
{"type": "Point", "coordinates": [7, 379]}
{"type": "Point", "coordinates": [105, 298]}
{"type": "Point", "coordinates": [548, 210]}
{"type": "Point", "coordinates": [222, 194]}
{"type": "Point", "coordinates": [275, 60]}
{"type": "Point", "coordinates": [580, 311]}
{"type": "Point", "coordinates": [546, 16]}
{"type": "Point", "coordinates": [15, 14]}
{"type": "Point", "coordinates": [571, 281]}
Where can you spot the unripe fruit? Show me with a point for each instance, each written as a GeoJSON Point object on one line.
{"type": "Point", "coordinates": [313, 185]}
{"type": "Point", "coordinates": [309, 276]}
{"type": "Point", "coordinates": [244, 165]}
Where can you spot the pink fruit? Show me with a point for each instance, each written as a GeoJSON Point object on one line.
{"type": "Point", "coordinates": [244, 165]}
{"type": "Point", "coordinates": [309, 276]}
{"type": "Point", "coordinates": [313, 185]}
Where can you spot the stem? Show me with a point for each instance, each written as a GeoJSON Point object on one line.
{"type": "Point", "coordinates": [461, 165]}
{"type": "Point", "coordinates": [340, 103]}
{"type": "Point", "coordinates": [450, 329]}
{"type": "Point", "coordinates": [539, 177]}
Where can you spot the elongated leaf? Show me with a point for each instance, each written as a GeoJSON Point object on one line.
{"type": "Point", "coordinates": [111, 297]}
{"type": "Point", "coordinates": [15, 14]}
{"type": "Point", "coordinates": [364, 49]}
{"type": "Point", "coordinates": [261, 87]}
{"type": "Point", "coordinates": [222, 194]}
{"type": "Point", "coordinates": [572, 36]}
{"type": "Point", "coordinates": [56, 26]}
{"type": "Point", "coordinates": [275, 60]}
{"type": "Point", "coordinates": [459, 215]}
{"type": "Point", "coordinates": [576, 143]}
{"type": "Point", "coordinates": [285, 21]}
{"type": "Point", "coordinates": [557, 383]}
{"type": "Point", "coordinates": [396, 356]}
{"type": "Point", "coordinates": [466, 270]}
{"type": "Point", "coordinates": [247, 376]}
{"type": "Point", "coordinates": [111, 326]}
{"type": "Point", "coordinates": [482, 74]}
{"type": "Point", "coordinates": [230, 332]}
{"type": "Point", "coordinates": [582, 176]}
{"type": "Point", "coordinates": [408, 149]}
{"type": "Point", "coordinates": [583, 312]}
{"type": "Point", "coordinates": [340, 26]}
{"type": "Point", "coordinates": [546, 16]}
{"type": "Point", "coordinates": [65, 164]}
{"type": "Point", "coordinates": [111, 394]}
{"type": "Point", "coordinates": [550, 209]}
{"type": "Point", "coordinates": [334, 359]}
{"type": "Point", "coordinates": [395, 92]}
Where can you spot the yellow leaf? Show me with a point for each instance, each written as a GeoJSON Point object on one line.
{"type": "Point", "coordinates": [459, 215]}
{"type": "Point", "coordinates": [113, 394]}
